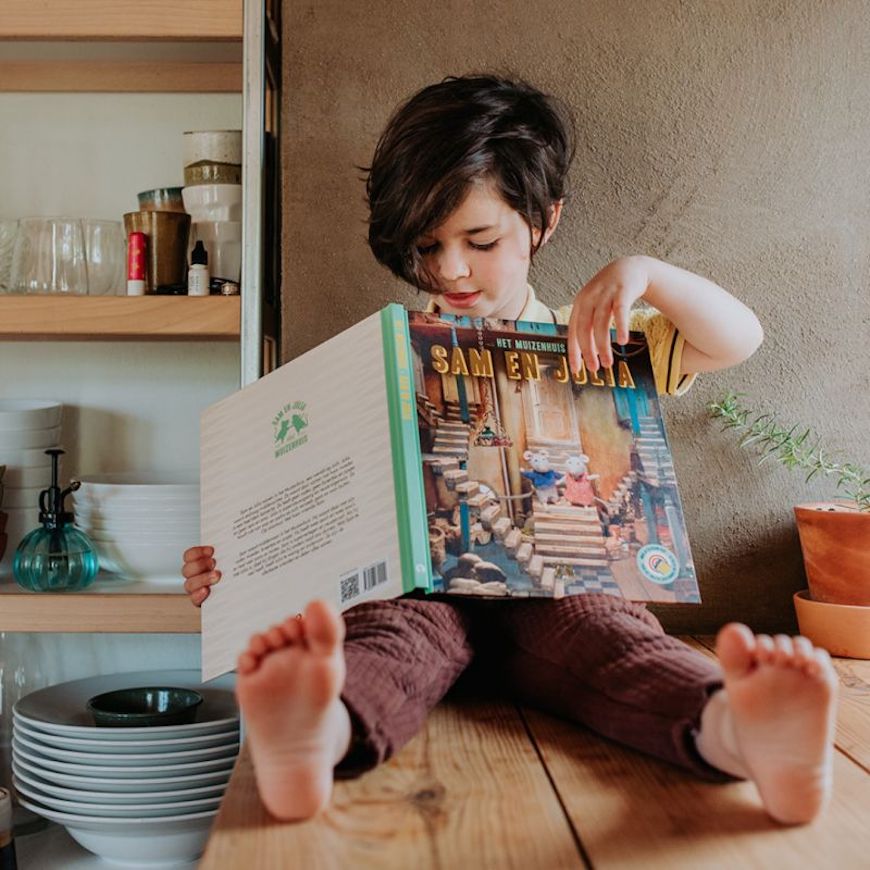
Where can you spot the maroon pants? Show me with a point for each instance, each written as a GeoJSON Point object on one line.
{"type": "Point", "coordinates": [595, 659]}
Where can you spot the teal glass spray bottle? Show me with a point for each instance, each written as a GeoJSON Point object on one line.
{"type": "Point", "coordinates": [56, 557]}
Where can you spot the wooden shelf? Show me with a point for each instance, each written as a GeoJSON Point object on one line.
{"type": "Point", "coordinates": [115, 318]}
{"type": "Point", "coordinates": [72, 76]}
{"type": "Point", "coordinates": [107, 19]}
{"type": "Point", "coordinates": [135, 607]}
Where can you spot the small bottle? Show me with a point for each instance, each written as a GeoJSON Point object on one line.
{"type": "Point", "coordinates": [7, 843]}
{"type": "Point", "coordinates": [197, 276]}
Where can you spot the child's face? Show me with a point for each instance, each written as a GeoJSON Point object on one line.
{"type": "Point", "coordinates": [479, 257]}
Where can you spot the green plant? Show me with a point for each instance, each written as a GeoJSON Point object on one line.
{"type": "Point", "coordinates": [795, 447]}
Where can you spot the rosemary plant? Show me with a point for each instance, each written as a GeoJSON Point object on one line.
{"type": "Point", "coordinates": [794, 447]}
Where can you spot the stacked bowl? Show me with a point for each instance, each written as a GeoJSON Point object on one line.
{"type": "Point", "coordinates": [140, 522]}
{"type": "Point", "coordinates": [28, 427]}
{"type": "Point", "coordinates": [140, 796]}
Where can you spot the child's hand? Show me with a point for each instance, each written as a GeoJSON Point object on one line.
{"type": "Point", "coordinates": [199, 571]}
{"type": "Point", "coordinates": [608, 297]}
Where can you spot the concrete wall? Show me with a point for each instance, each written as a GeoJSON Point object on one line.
{"type": "Point", "coordinates": [730, 138]}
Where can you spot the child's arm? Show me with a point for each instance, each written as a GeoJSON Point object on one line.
{"type": "Point", "coordinates": [719, 331]}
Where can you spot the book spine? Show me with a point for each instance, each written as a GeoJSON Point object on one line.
{"type": "Point", "coordinates": [407, 461]}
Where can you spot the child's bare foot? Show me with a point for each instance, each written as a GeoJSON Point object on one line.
{"type": "Point", "coordinates": [288, 687]}
{"type": "Point", "coordinates": [782, 697]}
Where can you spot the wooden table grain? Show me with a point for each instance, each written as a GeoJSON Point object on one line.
{"type": "Point", "coordinates": [489, 785]}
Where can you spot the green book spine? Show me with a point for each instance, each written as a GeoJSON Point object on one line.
{"type": "Point", "coordinates": [407, 462]}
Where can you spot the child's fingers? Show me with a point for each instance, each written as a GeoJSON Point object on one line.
{"type": "Point", "coordinates": [601, 331]}
{"type": "Point", "coordinates": [193, 554]}
{"type": "Point", "coordinates": [200, 581]}
{"type": "Point", "coordinates": [201, 566]}
{"type": "Point", "coordinates": [622, 316]}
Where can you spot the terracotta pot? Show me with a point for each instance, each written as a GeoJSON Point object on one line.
{"type": "Point", "coordinates": [835, 540]}
{"type": "Point", "coordinates": [841, 629]}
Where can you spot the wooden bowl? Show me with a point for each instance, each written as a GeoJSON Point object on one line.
{"type": "Point", "coordinates": [841, 629]}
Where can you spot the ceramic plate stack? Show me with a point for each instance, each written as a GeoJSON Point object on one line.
{"type": "Point", "coordinates": [134, 796]}
{"type": "Point", "coordinates": [27, 428]}
{"type": "Point", "coordinates": [140, 523]}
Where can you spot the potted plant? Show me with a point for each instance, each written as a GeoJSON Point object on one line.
{"type": "Point", "coordinates": [834, 535]}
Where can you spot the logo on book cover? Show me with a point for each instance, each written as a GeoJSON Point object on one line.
{"type": "Point", "coordinates": [289, 426]}
{"type": "Point", "coordinates": [658, 564]}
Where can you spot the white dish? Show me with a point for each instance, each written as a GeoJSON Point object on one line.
{"type": "Point", "coordinates": [113, 811]}
{"type": "Point", "coordinates": [119, 798]}
{"type": "Point", "coordinates": [141, 481]}
{"type": "Point", "coordinates": [24, 478]}
{"type": "Point", "coordinates": [16, 414]}
{"type": "Point", "coordinates": [125, 786]}
{"type": "Point", "coordinates": [36, 748]}
{"type": "Point", "coordinates": [207, 198]}
{"type": "Point", "coordinates": [61, 709]}
{"type": "Point", "coordinates": [221, 738]}
{"type": "Point", "coordinates": [24, 458]}
{"type": "Point", "coordinates": [15, 439]}
{"type": "Point", "coordinates": [135, 842]}
{"type": "Point", "coordinates": [118, 771]}
{"type": "Point", "coordinates": [17, 497]}
{"type": "Point", "coordinates": [130, 514]}
{"type": "Point", "coordinates": [142, 560]}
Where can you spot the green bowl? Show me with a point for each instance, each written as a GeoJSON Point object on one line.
{"type": "Point", "coordinates": [144, 707]}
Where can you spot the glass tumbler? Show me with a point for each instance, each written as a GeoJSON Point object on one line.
{"type": "Point", "coordinates": [49, 257]}
{"type": "Point", "coordinates": [106, 251]}
{"type": "Point", "coordinates": [8, 232]}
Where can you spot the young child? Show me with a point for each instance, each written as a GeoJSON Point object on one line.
{"type": "Point", "coordinates": [467, 183]}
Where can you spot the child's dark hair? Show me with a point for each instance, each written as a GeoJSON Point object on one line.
{"type": "Point", "coordinates": [451, 134]}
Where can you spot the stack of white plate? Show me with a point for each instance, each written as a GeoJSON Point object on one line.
{"type": "Point", "coordinates": [28, 427]}
{"type": "Point", "coordinates": [135, 796]}
{"type": "Point", "coordinates": [141, 523]}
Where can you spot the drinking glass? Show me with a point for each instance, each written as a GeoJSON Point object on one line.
{"type": "Point", "coordinates": [106, 252]}
{"type": "Point", "coordinates": [49, 257]}
{"type": "Point", "coordinates": [8, 231]}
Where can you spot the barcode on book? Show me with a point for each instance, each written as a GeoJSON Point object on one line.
{"type": "Point", "coordinates": [350, 586]}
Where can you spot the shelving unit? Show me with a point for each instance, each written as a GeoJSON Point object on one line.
{"type": "Point", "coordinates": [127, 607]}
{"type": "Point", "coordinates": [104, 46]}
{"type": "Point", "coordinates": [139, 318]}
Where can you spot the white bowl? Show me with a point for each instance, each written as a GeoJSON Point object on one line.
{"type": "Point", "coordinates": [131, 513]}
{"type": "Point", "coordinates": [119, 771]}
{"type": "Point", "coordinates": [188, 529]}
{"type": "Point", "coordinates": [112, 811]}
{"type": "Point", "coordinates": [218, 231]}
{"type": "Point", "coordinates": [16, 439]}
{"type": "Point", "coordinates": [135, 842]}
{"type": "Point", "coordinates": [129, 785]}
{"type": "Point", "coordinates": [206, 199]}
{"type": "Point", "coordinates": [61, 709]}
{"type": "Point", "coordinates": [125, 759]}
{"type": "Point", "coordinates": [84, 796]}
{"type": "Point", "coordinates": [27, 478]}
{"type": "Point", "coordinates": [24, 458]}
{"type": "Point", "coordinates": [141, 560]}
{"type": "Point", "coordinates": [16, 497]}
{"type": "Point", "coordinates": [29, 414]}
{"type": "Point", "coordinates": [141, 480]}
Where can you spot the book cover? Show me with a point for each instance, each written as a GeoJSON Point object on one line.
{"type": "Point", "coordinates": [540, 482]}
{"type": "Point", "coordinates": [418, 452]}
{"type": "Point", "coordinates": [311, 487]}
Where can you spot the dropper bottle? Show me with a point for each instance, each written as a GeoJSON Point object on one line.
{"type": "Point", "coordinates": [56, 557]}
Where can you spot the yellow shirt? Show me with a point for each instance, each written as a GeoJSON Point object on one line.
{"type": "Point", "coordinates": [665, 342]}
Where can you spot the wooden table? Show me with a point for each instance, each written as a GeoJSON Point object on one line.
{"type": "Point", "coordinates": [489, 785]}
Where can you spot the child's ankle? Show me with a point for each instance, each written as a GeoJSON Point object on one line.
{"type": "Point", "coordinates": [716, 740]}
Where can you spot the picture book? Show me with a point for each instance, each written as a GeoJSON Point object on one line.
{"type": "Point", "coordinates": [418, 451]}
